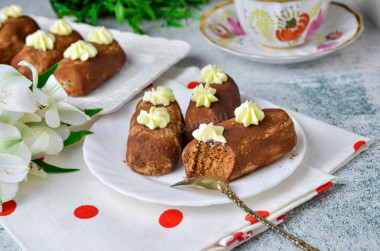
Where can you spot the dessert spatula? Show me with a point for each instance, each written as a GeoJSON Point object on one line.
{"type": "Point", "coordinates": [221, 184]}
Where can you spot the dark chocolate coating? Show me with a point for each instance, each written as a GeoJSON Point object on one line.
{"type": "Point", "coordinates": [247, 148]}
{"type": "Point", "coordinates": [43, 60]}
{"type": "Point", "coordinates": [13, 32]}
{"type": "Point", "coordinates": [155, 152]}
{"type": "Point", "coordinates": [86, 76]}
{"type": "Point", "coordinates": [228, 99]}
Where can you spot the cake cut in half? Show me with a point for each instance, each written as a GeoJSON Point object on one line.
{"type": "Point", "coordinates": [246, 149]}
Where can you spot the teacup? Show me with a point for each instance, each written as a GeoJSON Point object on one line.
{"type": "Point", "coordinates": [281, 23]}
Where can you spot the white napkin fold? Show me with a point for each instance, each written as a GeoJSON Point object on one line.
{"type": "Point", "coordinates": [76, 211]}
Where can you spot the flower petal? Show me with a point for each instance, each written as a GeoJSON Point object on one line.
{"type": "Point", "coordinates": [38, 94]}
{"type": "Point", "coordinates": [70, 114]}
{"type": "Point", "coordinates": [10, 76]}
{"type": "Point", "coordinates": [8, 191]}
{"type": "Point", "coordinates": [17, 98]}
{"type": "Point", "coordinates": [41, 97]}
{"type": "Point", "coordinates": [29, 117]}
{"type": "Point", "coordinates": [45, 140]}
{"type": "Point", "coordinates": [24, 130]}
{"type": "Point", "coordinates": [33, 70]}
{"type": "Point", "coordinates": [54, 89]}
{"type": "Point", "coordinates": [24, 153]}
{"type": "Point", "coordinates": [52, 116]}
{"type": "Point", "coordinates": [9, 145]}
{"type": "Point", "coordinates": [12, 168]}
{"type": "Point", "coordinates": [37, 171]}
{"type": "Point", "coordinates": [8, 131]}
{"type": "Point", "coordinates": [9, 117]}
{"type": "Point", "coordinates": [63, 131]}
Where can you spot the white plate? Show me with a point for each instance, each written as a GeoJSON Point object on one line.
{"type": "Point", "coordinates": [147, 58]}
{"type": "Point", "coordinates": [105, 154]}
{"type": "Point", "coordinates": [341, 26]}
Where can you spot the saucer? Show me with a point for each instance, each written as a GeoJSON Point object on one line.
{"type": "Point", "coordinates": [341, 26]}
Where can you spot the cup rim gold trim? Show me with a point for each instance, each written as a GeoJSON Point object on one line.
{"type": "Point", "coordinates": [348, 8]}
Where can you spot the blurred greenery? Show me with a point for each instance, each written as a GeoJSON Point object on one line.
{"type": "Point", "coordinates": [169, 12]}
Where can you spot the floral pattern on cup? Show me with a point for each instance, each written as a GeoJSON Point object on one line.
{"type": "Point", "coordinates": [229, 29]}
{"type": "Point", "coordinates": [281, 25]}
{"type": "Point", "coordinates": [314, 26]}
{"type": "Point", "coordinates": [328, 42]}
{"type": "Point", "coordinates": [291, 24]}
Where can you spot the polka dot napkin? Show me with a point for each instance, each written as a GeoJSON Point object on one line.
{"type": "Point", "coordinates": [75, 211]}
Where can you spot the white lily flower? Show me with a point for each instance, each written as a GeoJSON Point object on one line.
{"type": "Point", "coordinates": [10, 134]}
{"type": "Point", "coordinates": [7, 191]}
{"type": "Point", "coordinates": [9, 117]}
{"type": "Point", "coordinates": [45, 140]}
{"type": "Point", "coordinates": [40, 97]}
{"type": "Point", "coordinates": [52, 95]}
{"type": "Point", "coordinates": [35, 170]}
{"type": "Point", "coordinates": [29, 117]}
{"type": "Point", "coordinates": [15, 157]}
{"type": "Point", "coordinates": [63, 131]}
{"type": "Point", "coordinates": [12, 168]}
{"type": "Point", "coordinates": [15, 94]}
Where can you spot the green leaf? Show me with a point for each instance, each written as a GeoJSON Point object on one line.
{"type": "Point", "coordinates": [119, 12]}
{"type": "Point", "coordinates": [195, 15]}
{"type": "Point", "coordinates": [149, 11]}
{"type": "Point", "coordinates": [92, 112]}
{"type": "Point", "coordinates": [42, 79]}
{"type": "Point", "coordinates": [75, 137]}
{"type": "Point", "coordinates": [133, 11]}
{"type": "Point", "coordinates": [175, 24]}
{"type": "Point", "coordinates": [52, 169]}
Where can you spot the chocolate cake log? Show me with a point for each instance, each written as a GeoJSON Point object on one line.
{"type": "Point", "coordinates": [43, 60]}
{"type": "Point", "coordinates": [63, 42]}
{"type": "Point", "coordinates": [155, 152]}
{"type": "Point", "coordinates": [247, 148]}
{"type": "Point", "coordinates": [13, 32]}
{"type": "Point", "coordinates": [228, 99]}
{"type": "Point", "coordinates": [86, 76]}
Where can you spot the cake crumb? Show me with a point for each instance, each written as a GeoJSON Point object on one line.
{"type": "Point", "coordinates": [293, 154]}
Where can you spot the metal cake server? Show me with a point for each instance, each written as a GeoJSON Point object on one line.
{"type": "Point", "coordinates": [221, 184]}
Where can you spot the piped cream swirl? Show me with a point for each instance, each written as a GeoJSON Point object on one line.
{"type": "Point", "coordinates": [41, 40]}
{"type": "Point", "coordinates": [213, 75]}
{"type": "Point", "coordinates": [80, 50]}
{"type": "Point", "coordinates": [61, 28]}
{"type": "Point", "coordinates": [11, 11]}
{"type": "Point", "coordinates": [162, 96]}
{"type": "Point", "coordinates": [249, 113]}
{"type": "Point", "coordinates": [157, 117]}
{"type": "Point", "coordinates": [101, 36]}
{"type": "Point", "coordinates": [204, 95]}
{"type": "Point", "coordinates": [208, 132]}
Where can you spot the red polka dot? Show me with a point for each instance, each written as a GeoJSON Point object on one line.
{"type": "Point", "coordinates": [237, 237]}
{"type": "Point", "coordinates": [281, 218]}
{"type": "Point", "coordinates": [86, 212]}
{"type": "Point", "coordinates": [148, 86]}
{"type": "Point", "coordinates": [170, 218]}
{"type": "Point", "coordinates": [192, 85]}
{"type": "Point", "coordinates": [358, 144]}
{"type": "Point", "coordinates": [253, 220]}
{"type": "Point", "coordinates": [324, 187]}
{"type": "Point", "coordinates": [8, 208]}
